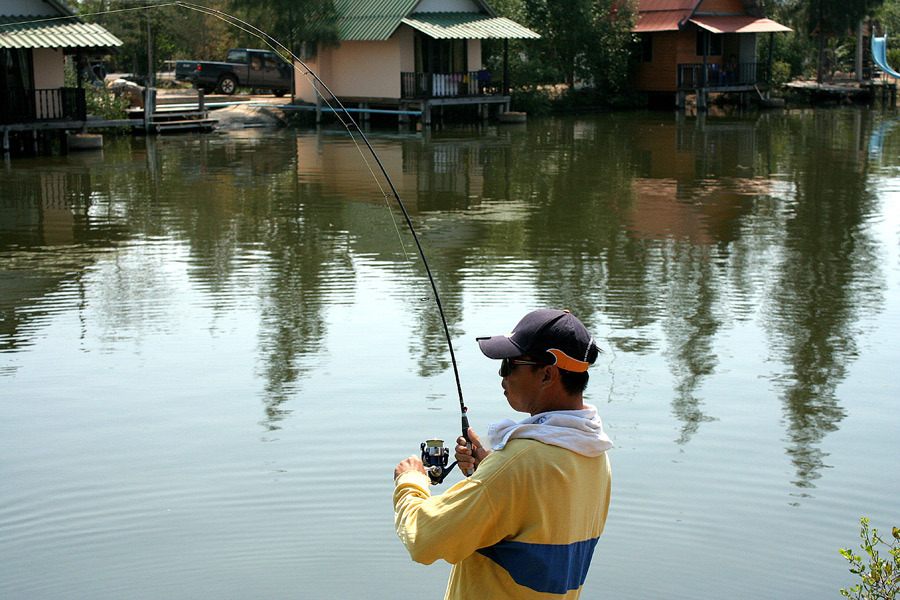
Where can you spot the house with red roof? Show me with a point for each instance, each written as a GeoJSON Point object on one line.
{"type": "Point", "coordinates": [700, 47]}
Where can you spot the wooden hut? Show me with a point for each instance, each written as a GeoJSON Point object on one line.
{"type": "Point", "coordinates": [35, 38]}
{"type": "Point", "coordinates": [412, 56]}
{"type": "Point", "coordinates": [700, 46]}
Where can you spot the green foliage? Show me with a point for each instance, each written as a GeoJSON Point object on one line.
{"type": "Point", "coordinates": [177, 32]}
{"type": "Point", "coordinates": [150, 34]}
{"type": "Point", "coordinates": [289, 22]}
{"type": "Point", "coordinates": [893, 56]}
{"type": "Point", "coordinates": [823, 40]}
{"type": "Point", "coordinates": [101, 101]}
{"type": "Point", "coordinates": [829, 16]}
{"type": "Point", "coordinates": [534, 101]}
{"type": "Point", "coordinates": [781, 72]}
{"type": "Point", "coordinates": [880, 578]}
{"type": "Point", "coordinates": [888, 16]}
{"type": "Point", "coordinates": [582, 42]}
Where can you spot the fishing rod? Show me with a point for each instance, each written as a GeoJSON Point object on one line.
{"type": "Point", "coordinates": [434, 454]}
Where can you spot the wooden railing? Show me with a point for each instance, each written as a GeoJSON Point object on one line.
{"type": "Point", "coordinates": [21, 105]}
{"type": "Point", "coordinates": [714, 75]}
{"type": "Point", "coordinates": [441, 85]}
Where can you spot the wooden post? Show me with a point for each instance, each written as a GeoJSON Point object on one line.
{"type": "Point", "coordinates": [505, 67]}
{"type": "Point", "coordinates": [318, 104]}
{"type": "Point", "coordinates": [859, 51]}
{"type": "Point", "coordinates": [705, 78]}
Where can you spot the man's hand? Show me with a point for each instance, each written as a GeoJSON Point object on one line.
{"type": "Point", "coordinates": [469, 459]}
{"type": "Point", "coordinates": [413, 463]}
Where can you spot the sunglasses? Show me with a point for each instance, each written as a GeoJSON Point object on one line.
{"type": "Point", "coordinates": [507, 364]}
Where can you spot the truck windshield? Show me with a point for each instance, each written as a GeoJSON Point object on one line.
{"type": "Point", "coordinates": [237, 56]}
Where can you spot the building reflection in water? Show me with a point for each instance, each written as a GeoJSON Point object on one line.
{"type": "Point", "coordinates": [47, 241]}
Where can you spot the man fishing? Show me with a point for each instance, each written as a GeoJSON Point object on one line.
{"type": "Point", "coordinates": [525, 524]}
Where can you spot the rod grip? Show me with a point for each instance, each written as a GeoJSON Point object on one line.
{"type": "Point", "coordinates": [465, 434]}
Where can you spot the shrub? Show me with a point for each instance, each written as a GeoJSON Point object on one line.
{"type": "Point", "coordinates": [103, 102]}
{"type": "Point", "coordinates": [781, 73]}
{"type": "Point", "coordinates": [536, 102]}
{"type": "Point", "coordinates": [880, 578]}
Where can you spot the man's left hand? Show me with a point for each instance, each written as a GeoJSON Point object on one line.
{"type": "Point", "coordinates": [413, 463]}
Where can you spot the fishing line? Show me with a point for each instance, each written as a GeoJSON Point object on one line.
{"type": "Point", "coordinates": [351, 126]}
{"type": "Point", "coordinates": [276, 45]}
{"type": "Point", "coordinates": [315, 81]}
{"type": "Point", "coordinates": [94, 14]}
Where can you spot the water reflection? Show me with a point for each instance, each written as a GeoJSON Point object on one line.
{"type": "Point", "coordinates": [666, 230]}
{"type": "Point", "coordinates": [827, 280]}
{"type": "Point", "coordinates": [52, 228]}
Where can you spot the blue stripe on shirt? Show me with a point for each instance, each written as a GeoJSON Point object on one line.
{"type": "Point", "coordinates": [549, 568]}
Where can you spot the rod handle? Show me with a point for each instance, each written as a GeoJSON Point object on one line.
{"type": "Point", "coordinates": [465, 434]}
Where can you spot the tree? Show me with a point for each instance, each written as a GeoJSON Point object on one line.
{"type": "Point", "coordinates": [827, 17]}
{"type": "Point", "coordinates": [583, 41]}
{"type": "Point", "coordinates": [174, 32]}
{"type": "Point", "coordinates": [292, 23]}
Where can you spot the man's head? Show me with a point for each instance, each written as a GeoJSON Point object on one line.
{"type": "Point", "coordinates": [550, 338]}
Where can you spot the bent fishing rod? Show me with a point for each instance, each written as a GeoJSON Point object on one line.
{"type": "Point", "coordinates": [434, 454]}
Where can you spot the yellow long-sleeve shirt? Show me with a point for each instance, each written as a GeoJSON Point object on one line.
{"type": "Point", "coordinates": [523, 526]}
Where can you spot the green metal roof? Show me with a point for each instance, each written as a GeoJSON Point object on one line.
{"type": "Point", "coordinates": [377, 20]}
{"type": "Point", "coordinates": [454, 25]}
{"type": "Point", "coordinates": [22, 31]}
{"type": "Point", "coordinates": [371, 20]}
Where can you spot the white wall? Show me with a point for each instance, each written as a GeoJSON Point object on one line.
{"type": "Point", "coordinates": [48, 69]}
{"type": "Point", "coordinates": [369, 69]}
{"type": "Point", "coordinates": [406, 39]}
{"type": "Point", "coordinates": [320, 65]}
{"type": "Point", "coordinates": [360, 69]}
{"type": "Point", "coordinates": [473, 53]}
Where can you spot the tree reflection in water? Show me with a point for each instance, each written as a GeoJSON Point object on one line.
{"type": "Point", "coordinates": [666, 232]}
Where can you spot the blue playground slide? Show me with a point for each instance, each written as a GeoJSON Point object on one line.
{"type": "Point", "coordinates": [879, 54]}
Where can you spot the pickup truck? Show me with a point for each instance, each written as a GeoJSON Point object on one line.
{"type": "Point", "coordinates": [243, 67]}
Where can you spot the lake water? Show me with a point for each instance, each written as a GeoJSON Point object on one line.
{"type": "Point", "coordinates": [215, 348]}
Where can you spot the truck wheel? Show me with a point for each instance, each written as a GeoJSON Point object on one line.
{"type": "Point", "coordinates": [227, 84]}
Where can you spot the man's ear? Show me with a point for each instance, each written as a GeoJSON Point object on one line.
{"type": "Point", "coordinates": [549, 374]}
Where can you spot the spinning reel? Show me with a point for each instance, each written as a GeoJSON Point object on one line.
{"type": "Point", "coordinates": [435, 457]}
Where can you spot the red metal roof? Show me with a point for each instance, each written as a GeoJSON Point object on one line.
{"type": "Point", "coordinates": [737, 24]}
{"type": "Point", "coordinates": [661, 20]}
{"type": "Point", "coordinates": [654, 5]}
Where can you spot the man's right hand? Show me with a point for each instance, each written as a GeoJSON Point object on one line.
{"type": "Point", "coordinates": [469, 459]}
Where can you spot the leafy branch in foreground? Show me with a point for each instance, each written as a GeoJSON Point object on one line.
{"type": "Point", "coordinates": [881, 576]}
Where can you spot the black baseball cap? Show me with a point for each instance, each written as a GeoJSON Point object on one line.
{"type": "Point", "coordinates": [555, 337]}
